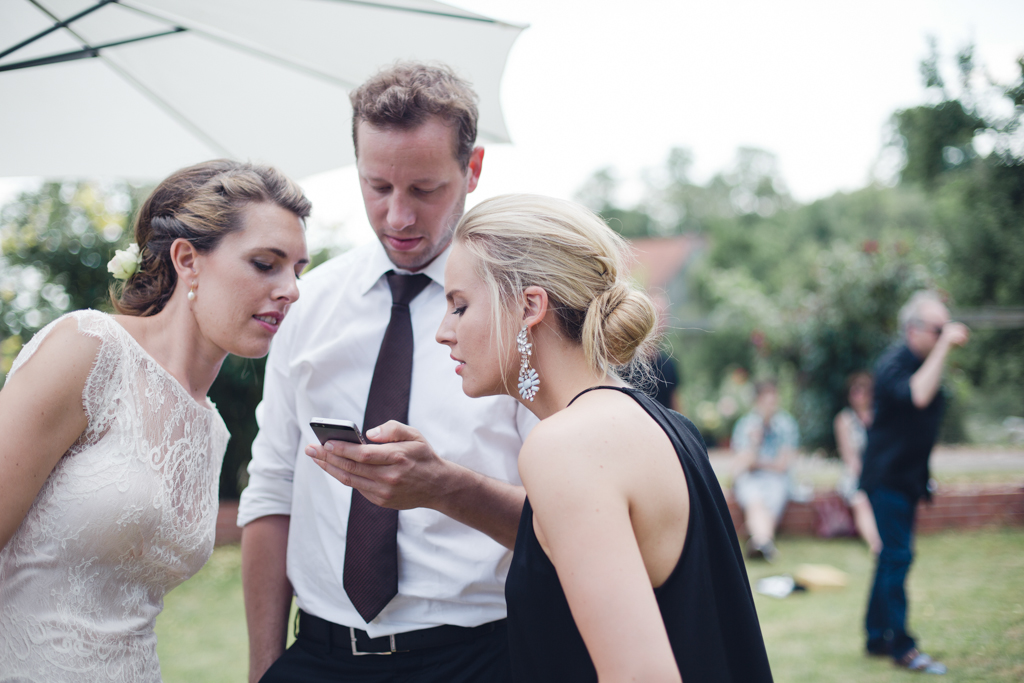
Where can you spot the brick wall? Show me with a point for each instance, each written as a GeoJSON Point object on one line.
{"type": "Point", "coordinates": [966, 506]}
{"type": "Point", "coordinates": [973, 506]}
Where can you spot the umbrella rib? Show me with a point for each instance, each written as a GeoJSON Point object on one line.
{"type": "Point", "coordinates": [84, 53]}
{"type": "Point", "coordinates": [58, 25]}
{"type": "Point", "coordinates": [245, 47]}
{"type": "Point", "coordinates": [167, 108]}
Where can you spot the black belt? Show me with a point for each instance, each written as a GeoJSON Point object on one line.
{"type": "Point", "coordinates": [337, 636]}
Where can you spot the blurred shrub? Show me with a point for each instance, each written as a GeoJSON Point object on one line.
{"type": "Point", "coordinates": [55, 243]}
{"type": "Point", "coordinates": [817, 287]}
{"type": "Point", "coordinates": [850, 318]}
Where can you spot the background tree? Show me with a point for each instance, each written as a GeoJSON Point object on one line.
{"type": "Point", "coordinates": [810, 292]}
{"type": "Point", "coordinates": [599, 195]}
{"type": "Point", "coordinates": [54, 246]}
{"type": "Point", "coordinates": [850, 319]}
{"type": "Point", "coordinates": [938, 138]}
{"type": "Point", "coordinates": [978, 208]}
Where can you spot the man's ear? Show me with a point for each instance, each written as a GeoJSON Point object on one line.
{"type": "Point", "coordinates": [535, 305]}
{"type": "Point", "coordinates": [185, 259]}
{"type": "Point", "coordinates": [476, 164]}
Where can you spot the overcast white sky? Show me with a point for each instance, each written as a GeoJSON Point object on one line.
{"type": "Point", "coordinates": [596, 83]}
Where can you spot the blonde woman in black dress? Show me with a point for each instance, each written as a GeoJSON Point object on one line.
{"type": "Point", "coordinates": [626, 564]}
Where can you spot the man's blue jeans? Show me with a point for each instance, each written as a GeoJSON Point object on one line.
{"type": "Point", "coordinates": [886, 620]}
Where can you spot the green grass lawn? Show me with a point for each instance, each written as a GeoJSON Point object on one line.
{"type": "Point", "coordinates": [966, 593]}
{"type": "Point", "coordinates": [966, 597]}
{"type": "Point", "coordinates": [201, 633]}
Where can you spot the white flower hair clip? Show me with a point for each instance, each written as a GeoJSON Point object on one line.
{"type": "Point", "coordinates": [125, 262]}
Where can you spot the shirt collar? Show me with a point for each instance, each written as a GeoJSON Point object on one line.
{"type": "Point", "coordinates": [379, 264]}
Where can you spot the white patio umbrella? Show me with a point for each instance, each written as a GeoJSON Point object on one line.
{"type": "Point", "coordinates": [139, 88]}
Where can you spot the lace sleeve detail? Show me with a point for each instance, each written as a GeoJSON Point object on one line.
{"type": "Point", "coordinates": [103, 386]}
{"type": "Point", "coordinates": [101, 383]}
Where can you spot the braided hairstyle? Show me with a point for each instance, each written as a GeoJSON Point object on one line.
{"type": "Point", "coordinates": [201, 204]}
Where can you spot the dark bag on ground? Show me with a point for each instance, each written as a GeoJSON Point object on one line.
{"type": "Point", "coordinates": [833, 517]}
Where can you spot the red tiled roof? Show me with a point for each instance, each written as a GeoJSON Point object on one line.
{"type": "Point", "coordinates": [659, 259]}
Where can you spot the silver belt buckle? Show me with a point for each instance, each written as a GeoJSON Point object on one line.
{"type": "Point", "coordinates": [355, 650]}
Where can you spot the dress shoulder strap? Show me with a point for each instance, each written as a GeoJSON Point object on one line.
{"type": "Point", "coordinates": [624, 390]}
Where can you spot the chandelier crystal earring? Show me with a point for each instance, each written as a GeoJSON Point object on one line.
{"type": "Point", "coordinates": [529, 381]}
{"type": "Point", "coordinates": [192, 292]}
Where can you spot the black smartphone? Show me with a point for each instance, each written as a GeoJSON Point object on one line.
{"type": "Point", "coordinates": [327, 429]}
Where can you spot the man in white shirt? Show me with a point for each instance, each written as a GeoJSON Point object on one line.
{"type": "Point", "coordinates": [452, 473]}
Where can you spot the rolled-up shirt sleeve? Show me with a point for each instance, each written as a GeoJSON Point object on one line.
{"type": "Point", "coordinates": [272, 468]}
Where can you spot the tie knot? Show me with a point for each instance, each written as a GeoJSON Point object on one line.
{"type": "Point", "coordinates": [404, 288]}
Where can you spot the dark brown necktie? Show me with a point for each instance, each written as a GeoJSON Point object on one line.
{"type": "Point", "coordinates": [371, 549]}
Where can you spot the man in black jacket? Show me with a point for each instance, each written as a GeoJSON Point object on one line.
{"type": "Point", "coordinates": [909, 403]}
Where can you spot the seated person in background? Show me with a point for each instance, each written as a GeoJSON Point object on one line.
{"type": "Point", "coordinates": [850, 427]}
{"type": "Point", "coordinates": [765, 441]}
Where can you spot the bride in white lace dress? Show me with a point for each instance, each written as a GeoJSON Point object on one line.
{"type": "Point", "coordinates": [111, 451]}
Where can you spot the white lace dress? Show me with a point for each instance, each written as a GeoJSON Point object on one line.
{"type": "Point", "coordinates": [128, 513]}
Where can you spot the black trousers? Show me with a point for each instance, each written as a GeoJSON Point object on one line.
{"type": "Point", "coordinates": [482, 660]}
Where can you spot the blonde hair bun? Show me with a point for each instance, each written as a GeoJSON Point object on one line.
{"type": "Point", "coordinates": [530, 240]}
{"type": "Point", "coordinates": [619, 321]}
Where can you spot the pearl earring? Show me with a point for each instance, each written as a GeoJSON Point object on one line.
{"type": "Point", "coordinates": [529, 381]}
{"type": "Point", "coordinates": [192, 292]}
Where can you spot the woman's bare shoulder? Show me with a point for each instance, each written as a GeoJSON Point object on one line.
{"type": "Point", "coordinates": [588, 436]}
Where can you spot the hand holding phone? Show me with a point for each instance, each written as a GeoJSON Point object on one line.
{"type": "Point", "coordinates": [328, 429]}
{"type": "Point", "coordinates": [404, 475]}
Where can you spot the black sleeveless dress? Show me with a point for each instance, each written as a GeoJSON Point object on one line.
{"type": "Point", "coordinates": [706, 602]}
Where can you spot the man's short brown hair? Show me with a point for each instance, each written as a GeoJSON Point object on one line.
{"type": "Point", "coordinates": [405, 95]}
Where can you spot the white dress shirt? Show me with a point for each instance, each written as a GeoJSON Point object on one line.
{"type": "Point", "coordinates": [320, 365]}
